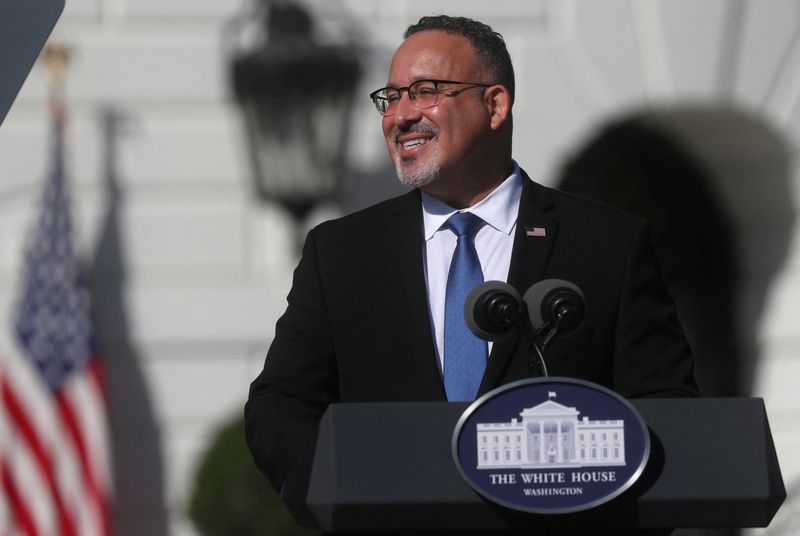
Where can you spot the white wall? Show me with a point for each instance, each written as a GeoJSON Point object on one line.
{"type": "Point", "coordinates": [208, 267]}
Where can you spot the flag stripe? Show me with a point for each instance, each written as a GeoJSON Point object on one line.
{"type": "Point", "coordinates": [90, 402]}
{"type": "Point", "coordinates": [94, 490]}
{"type": "Point", "coordinates": [21, 518]}
{"type": "Point", "coordinates": [22, 423]}
{"type": "Point", "coordinates": [24, 470]}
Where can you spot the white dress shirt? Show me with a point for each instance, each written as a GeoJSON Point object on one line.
{"type": "Point", "coordinates": [493, 242]}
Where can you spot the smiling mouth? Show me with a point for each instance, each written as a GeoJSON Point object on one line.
{"type": "Point", "coordinates": [411, 139]}
{"type": "Point", "coordinates": [413, 143]}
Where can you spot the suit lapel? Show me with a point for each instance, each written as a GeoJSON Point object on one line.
{"type": "Point", "coordinates": [534, 237]}
{"type": "Point", "coordinates": [404, 241]}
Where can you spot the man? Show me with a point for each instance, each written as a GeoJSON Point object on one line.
{"type": "Point", "coordinates": [367, 317]}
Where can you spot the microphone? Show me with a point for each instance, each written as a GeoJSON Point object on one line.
{"type": "Point", "coordinates": [493, 310]}
{"type": "Point", "coordinates": [554, 306]}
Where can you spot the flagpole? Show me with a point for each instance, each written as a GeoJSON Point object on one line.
{"type": "Point", "coordinates": [56, 58]}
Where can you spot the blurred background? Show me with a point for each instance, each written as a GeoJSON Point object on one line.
{"type": "Point", "coordinates": [204, 138]}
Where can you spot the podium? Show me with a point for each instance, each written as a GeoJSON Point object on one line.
{"type": "Point", "coordinates": [388, 466]}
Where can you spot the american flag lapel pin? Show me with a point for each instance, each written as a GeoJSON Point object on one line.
{"type": "Point", "coordinates": [531, 230]}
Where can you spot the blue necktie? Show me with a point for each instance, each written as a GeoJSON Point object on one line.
{"type": "Point", "coordinates": [464, 353]}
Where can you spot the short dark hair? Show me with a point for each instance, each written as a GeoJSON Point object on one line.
{"type": "Point", "coordinates": [490, 45]}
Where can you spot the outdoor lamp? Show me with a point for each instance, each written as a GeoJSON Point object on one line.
{"type": "Point", "coordinates": [296, 96]}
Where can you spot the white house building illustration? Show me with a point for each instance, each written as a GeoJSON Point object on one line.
{"type": "Point", "coordinates": [550, 435]}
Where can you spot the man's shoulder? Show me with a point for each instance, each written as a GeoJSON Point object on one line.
{"type": "Point", "coordinates": [366, 222]}
{"type": "Point", "coordinates": [582, 210]}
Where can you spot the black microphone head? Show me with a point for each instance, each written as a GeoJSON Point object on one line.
{"type": "Point", "coordinates": [551, 298]}
{"type": "Point", "coordinates": [491, 310]}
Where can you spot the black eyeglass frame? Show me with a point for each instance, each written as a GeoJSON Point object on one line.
{"type": "Point", "coordinates": [411, 95]}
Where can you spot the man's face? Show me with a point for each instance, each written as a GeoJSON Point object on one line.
{"type": "Point", "coordinates": [438, 144]}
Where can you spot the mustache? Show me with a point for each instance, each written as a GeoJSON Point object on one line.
{"type": "Point", "coordinates": [415, 128]}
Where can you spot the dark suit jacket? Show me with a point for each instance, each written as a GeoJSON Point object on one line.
{"type": "Point", "coordinates": [357, 327]}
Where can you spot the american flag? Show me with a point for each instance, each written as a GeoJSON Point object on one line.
{"type": "Point", "coordinates": [535, 231]}
{"type": "Point", "coordinates": [55, 474]}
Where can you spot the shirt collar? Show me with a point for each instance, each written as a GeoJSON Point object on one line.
{"type": "Point", "coordinates": [498, 209]}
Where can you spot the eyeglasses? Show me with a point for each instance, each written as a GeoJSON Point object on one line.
{"type": "Point", "coordinates": [422, 93]}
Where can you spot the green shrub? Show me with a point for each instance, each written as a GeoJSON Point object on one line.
{"type": "Point", "coordinates": [232, 498]}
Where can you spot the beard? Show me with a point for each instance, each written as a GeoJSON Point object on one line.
{"type": "Point", "coordinates": [417, 174]}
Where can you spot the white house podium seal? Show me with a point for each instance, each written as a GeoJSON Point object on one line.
{"type": "Point", "coordinates": [551, 445]}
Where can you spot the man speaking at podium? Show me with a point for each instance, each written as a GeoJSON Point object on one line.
{"type": "Point", "coordinates": [375, 312]}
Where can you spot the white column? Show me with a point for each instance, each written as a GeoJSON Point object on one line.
{"type": "Point", "coordinates": [560, 457]}
{"type": "Point", "coordinates": [541, 443]}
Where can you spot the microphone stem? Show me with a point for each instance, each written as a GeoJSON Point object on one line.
{"type": "Point", "coordinates": [523, 329]}
{"type": "Point", "coordinates": [552, 328]}
{"type": "Point", "coordinates": [551, 332]}
{"type": "Point", "coordinates": [541, 359]}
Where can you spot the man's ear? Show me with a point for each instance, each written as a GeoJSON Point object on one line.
{"type": "Point", "coordinates": [497, 99]}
